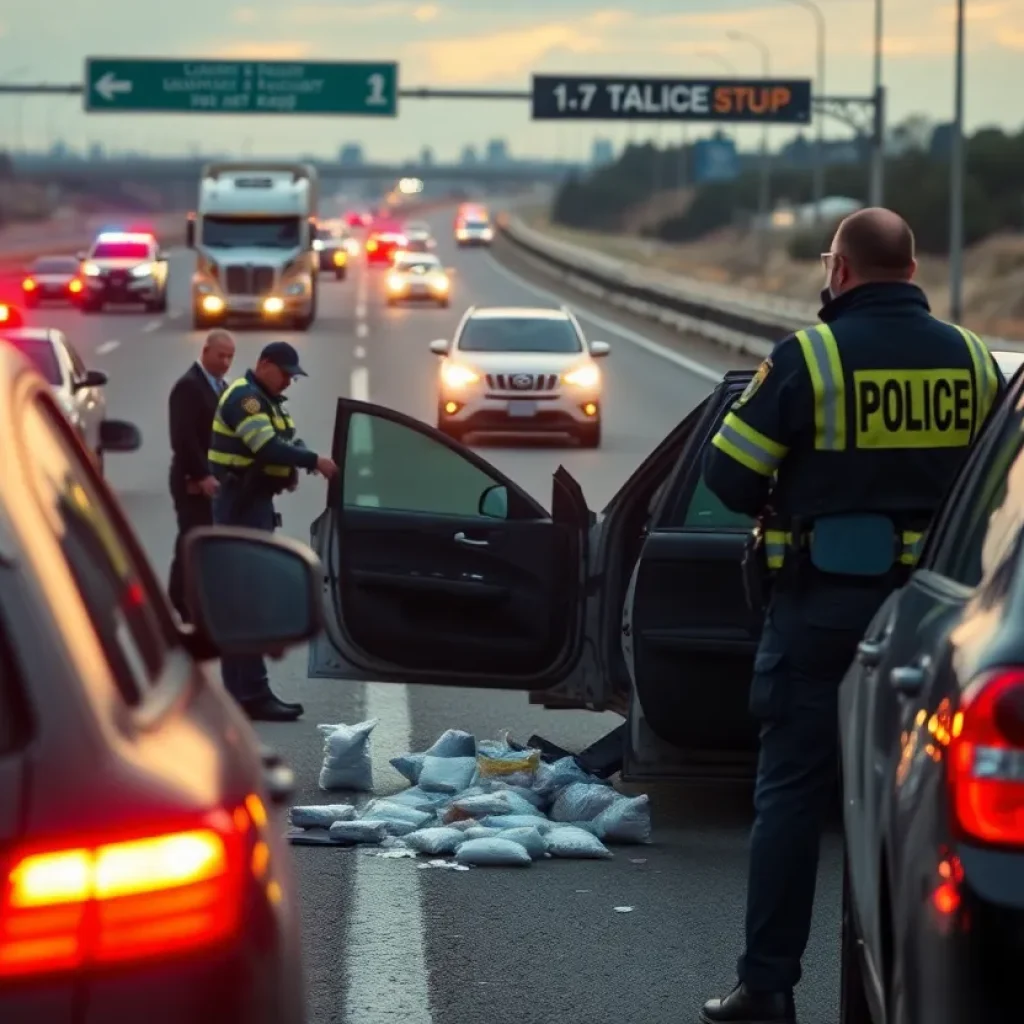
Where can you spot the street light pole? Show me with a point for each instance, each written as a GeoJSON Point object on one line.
{"type": "Point", "coordinates": [764, 192]}
{"type": "Point", "coordinates": [819, 117]}
{"type": "Point", "coordinates": [956, 179]}
{"type": "Point", "coordinates": [877, 185]}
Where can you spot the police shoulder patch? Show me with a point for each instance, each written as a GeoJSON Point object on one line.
{"type": "Point", "coordinates": [251, 405]}
{"type": "Point", "coordinates": [755, 382]}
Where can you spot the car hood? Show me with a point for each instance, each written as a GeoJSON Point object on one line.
{"type": "Point", "coordinates": [105, 264]}
{"type": "Point", "coordinates": [521, 362]}
{"type": "Point", "coordinates": [250, 256]}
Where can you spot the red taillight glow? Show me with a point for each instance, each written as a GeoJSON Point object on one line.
{"type": "Point", "coordinates": [5, 314]}
{"type": "Point", "coordinates": [135, 899]}
{"type": "Point", "coordinates": [28, 285]}
{"type": "Point", "coordinates": [986, 759]}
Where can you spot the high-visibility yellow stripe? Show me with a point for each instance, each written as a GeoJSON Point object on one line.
{"type": "Point", "coordinates": [748, 446]}
{"type": "Point", "coordinates": [985, 383]}
{"type": "Point", "coordinates": [821, 354]}
{"type": "Point", "coordinates": [776, 543]}
{"type": "Point", "coordinates": [228, 458]}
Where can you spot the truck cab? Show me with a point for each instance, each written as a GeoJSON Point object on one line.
{"type": "Point", "coordinates": [253, 233]}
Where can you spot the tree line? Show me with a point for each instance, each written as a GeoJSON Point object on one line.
{"type": "Point", "coordinates": [916, 186]}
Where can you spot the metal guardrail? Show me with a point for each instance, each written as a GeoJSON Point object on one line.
{"type": "Point", "coordinates": [747, 321]}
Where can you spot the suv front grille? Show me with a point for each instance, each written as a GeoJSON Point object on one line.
{"type": "Point", "coordinates": [519, 382]}
{"type": "Point", "coordinates": [248, 280]}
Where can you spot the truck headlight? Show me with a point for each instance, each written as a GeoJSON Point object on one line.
{"type": "Point", "coordinates": [455, 375]}
{"type": "Point", "coordinates": [395, 283]}
{"type": "Point", "coordinates": [440, 284]}
{"type": "Point", "coordinates": [143, 270]}
{"type": "Point", "coordinates": [273, 305]}
{"type": "Point", "coordinates": [90, 270]}
{"type": "Point", "coordinates": [212, 304]}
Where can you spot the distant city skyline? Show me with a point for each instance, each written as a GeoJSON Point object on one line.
{"type": "Point", "coordinates": [461, 43]}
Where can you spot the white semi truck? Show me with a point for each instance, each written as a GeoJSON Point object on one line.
{"type": "Point", "coordinates": [253, 234]}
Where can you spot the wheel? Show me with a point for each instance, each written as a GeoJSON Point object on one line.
{"type": "Point", "coordinates": [161, 303]}
{"type": "Point", "coordinates": [590, 435]}
{"type": "Point", "coordinates": [853, 1004]}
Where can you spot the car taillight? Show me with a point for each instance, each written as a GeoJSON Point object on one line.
{"type": "Point", "coordinates": [28, 285]}
{"type": "Point", "coordinates": [132, 899]}
{"type": "Point", "coordinates": [986, 759]}
{"type": "Point", "coordinates": [75, 286]}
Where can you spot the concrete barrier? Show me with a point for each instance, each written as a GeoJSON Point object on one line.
{"type": "Point", "coordinates": [749, 322]}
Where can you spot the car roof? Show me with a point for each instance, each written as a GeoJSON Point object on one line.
{"type": "Point", "coordinates": [71, 261]}
{"type": "Point", "coordinates": [1008, 361]}
{"type": "Point", "coordinates": [519, 313]}
{"type": "Point", "coordinates": [29, 333]}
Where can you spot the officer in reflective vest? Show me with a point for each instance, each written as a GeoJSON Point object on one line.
{"type": "Point", "coordinates": [255, 455]}
{"type": "Point", "coordinates": [843, 444]}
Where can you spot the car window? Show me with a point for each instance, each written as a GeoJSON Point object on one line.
{"type": "Point", "coordinates": [58, 265]}
{"type": "Point", "coordinates": [420, 264]}
{"type": "Point", "coordinates": [698, 508]}
{"type": "Point", "coordinates": [991, 512]}
{"type": "Point", "coordinates": [393, 466]}
{"type": "Point", "coordinates": [519, 334]}
{"type": "Point", "coordinates": [111, 583]}
{"type": "Point", "coordinates": [121, 251]}
{"type": "Point", "coordinates": [41, 353]}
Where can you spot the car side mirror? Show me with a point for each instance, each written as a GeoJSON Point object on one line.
{"type": "Point", "coordinates": [119, 436]}
{"type": "Point", "coordinates": [599, 349]}
{"type": "Point", "coordinates": [494, 502]}
{"type": "Point", "coordinates": [92, 379]}
{"type": "Point", "coordinates": [252, 593]}
{"type": "Point", "coordinates": [439, 347]}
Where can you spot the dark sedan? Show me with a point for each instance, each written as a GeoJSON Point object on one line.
{"type": "Point", "coordinates": [52, 279]}
{"type": "Point", "coordinates": [932, 724]}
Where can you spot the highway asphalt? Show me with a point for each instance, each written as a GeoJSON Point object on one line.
{"type": "Point", "coordinates": [384, 941]}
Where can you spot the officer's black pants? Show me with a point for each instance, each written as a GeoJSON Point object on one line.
{"type": "Point", "coordinates": [810, 637]}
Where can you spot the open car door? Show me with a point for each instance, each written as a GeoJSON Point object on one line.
{"type": "Point", "coordinates": [440, 569]}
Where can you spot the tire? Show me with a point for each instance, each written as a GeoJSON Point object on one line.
{"type": "Point", "coordinates": [853, 1004]}
{"type": "Point", "coordinates": [161, 304]}
{"type": "Point", "coordinates": [590, 435]}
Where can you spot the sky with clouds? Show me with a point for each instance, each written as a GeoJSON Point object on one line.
{"type": "Point", "coordinates": [486, 44]}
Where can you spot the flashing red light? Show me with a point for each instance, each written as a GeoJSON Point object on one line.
{"type": "Point", "coordinates": [28, 285]}
{"type": "Point", "coordinates": [10, 316]}
{"type": "Point", "coordinates": [75, 286]}
{"type": "Point", "coordinates": [986, 759]}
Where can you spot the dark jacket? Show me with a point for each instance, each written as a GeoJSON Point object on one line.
{"type": "Point", "coordinates": [872, 410]}
{"type": "Point", "coordinates": [191, 407]}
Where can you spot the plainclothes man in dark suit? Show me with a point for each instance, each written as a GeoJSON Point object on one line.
{"type": "Point", "coordinates": [192, 405]}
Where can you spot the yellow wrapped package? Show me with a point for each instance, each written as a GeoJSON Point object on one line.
{"type": "Point", "coordinates": [500, 760]}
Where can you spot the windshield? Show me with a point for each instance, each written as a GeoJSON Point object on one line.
{"type": "Point", "coordinates": [252, 232]}
{"type": "Point", "coordinates": [476, 225]}
{"type": "Point", "coordinates": [62, 265]}
{"type": "Point", "coordinates": [41, 354]}
{"type": "Point", "coordinates": [519, 334]}
{"type": "Point", "coordinates": [420, 265]}
{"type": "Point", "coordinates": [121, 251]}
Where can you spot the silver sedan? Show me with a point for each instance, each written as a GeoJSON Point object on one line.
{"type": "Point", "coordinates": [78, 390]}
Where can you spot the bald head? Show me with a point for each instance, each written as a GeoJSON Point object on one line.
{"type": "Point", "coordinates": [877, 245]}
{"type": "Point", "coordinates": [218, 352]}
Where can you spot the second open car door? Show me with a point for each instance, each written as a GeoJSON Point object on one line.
{"type": "Point", "coordinates": [441, 570]}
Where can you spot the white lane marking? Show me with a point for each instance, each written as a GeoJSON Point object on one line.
{"type": "Point", "coordinates": [360, 352]}
{"type": "Point", "coordinates": [362, 329]}
{"type": "Point", "coordinates": [153, 325]}
{"type": "Point", "coordinates": [385, 962]}
{"type": "Point", "coordinates": [106, 347]}
{"type": "Point", "coordinates": [698, 369]}
{"type": "Point", "coordinates": [359, 383]}
{"type": "Point", "coordinates": [361, 311]}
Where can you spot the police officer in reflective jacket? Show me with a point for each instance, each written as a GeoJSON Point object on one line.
{"type": "Point", "coordinates": [255, 455]}
{"type": "Point", "coordinates": [843, 446]}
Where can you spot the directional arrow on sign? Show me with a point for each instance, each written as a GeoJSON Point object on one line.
{"type": "Point", "coordinates": [110, 86]}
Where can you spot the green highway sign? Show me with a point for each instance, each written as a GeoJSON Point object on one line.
{"type": "Point", "coordinates": [126, 86]}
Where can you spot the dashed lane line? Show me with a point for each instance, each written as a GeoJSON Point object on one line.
{"type": "Point", "coordinates": [107, 347]}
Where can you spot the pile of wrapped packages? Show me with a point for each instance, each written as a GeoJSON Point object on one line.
{"type": "Point", "coordinates": [487, 803]}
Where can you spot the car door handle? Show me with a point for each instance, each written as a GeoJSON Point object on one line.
{"type": "Point", "coordinates": [870, 653]}
{"type": "Point", "coordinates": [909, 680]}
{"type": "Point", "coordinates": [461, 538]}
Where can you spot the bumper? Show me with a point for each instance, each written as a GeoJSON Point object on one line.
{"type": "Point", "coordinates": [132, 290]}
{"type": "Point", "coordinates": [252, 307]}
{"type": "Point", "coordinates": [474, 240]}
{"type": "Point", "coordinates": [559, 413]}
{"type": "Point", "coordinates": [419, 295]}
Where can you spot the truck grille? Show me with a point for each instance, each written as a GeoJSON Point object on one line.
{"type": "Point", "coordinates": [248, 280]}
{"type": "Point", "coordinates": [522, 381]}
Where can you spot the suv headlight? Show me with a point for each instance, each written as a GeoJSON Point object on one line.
{"type": "Point", "coordinates": [143, 270]}
{"type": "Point", "coordinates": [90, 269]}
{"type": "Point", "coordinates": [456, 375]}
{"type": "Point", "coordinates": [586, 376]}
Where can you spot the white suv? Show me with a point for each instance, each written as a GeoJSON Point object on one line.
{"type": "Point", "coordinates": [521, 369]}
